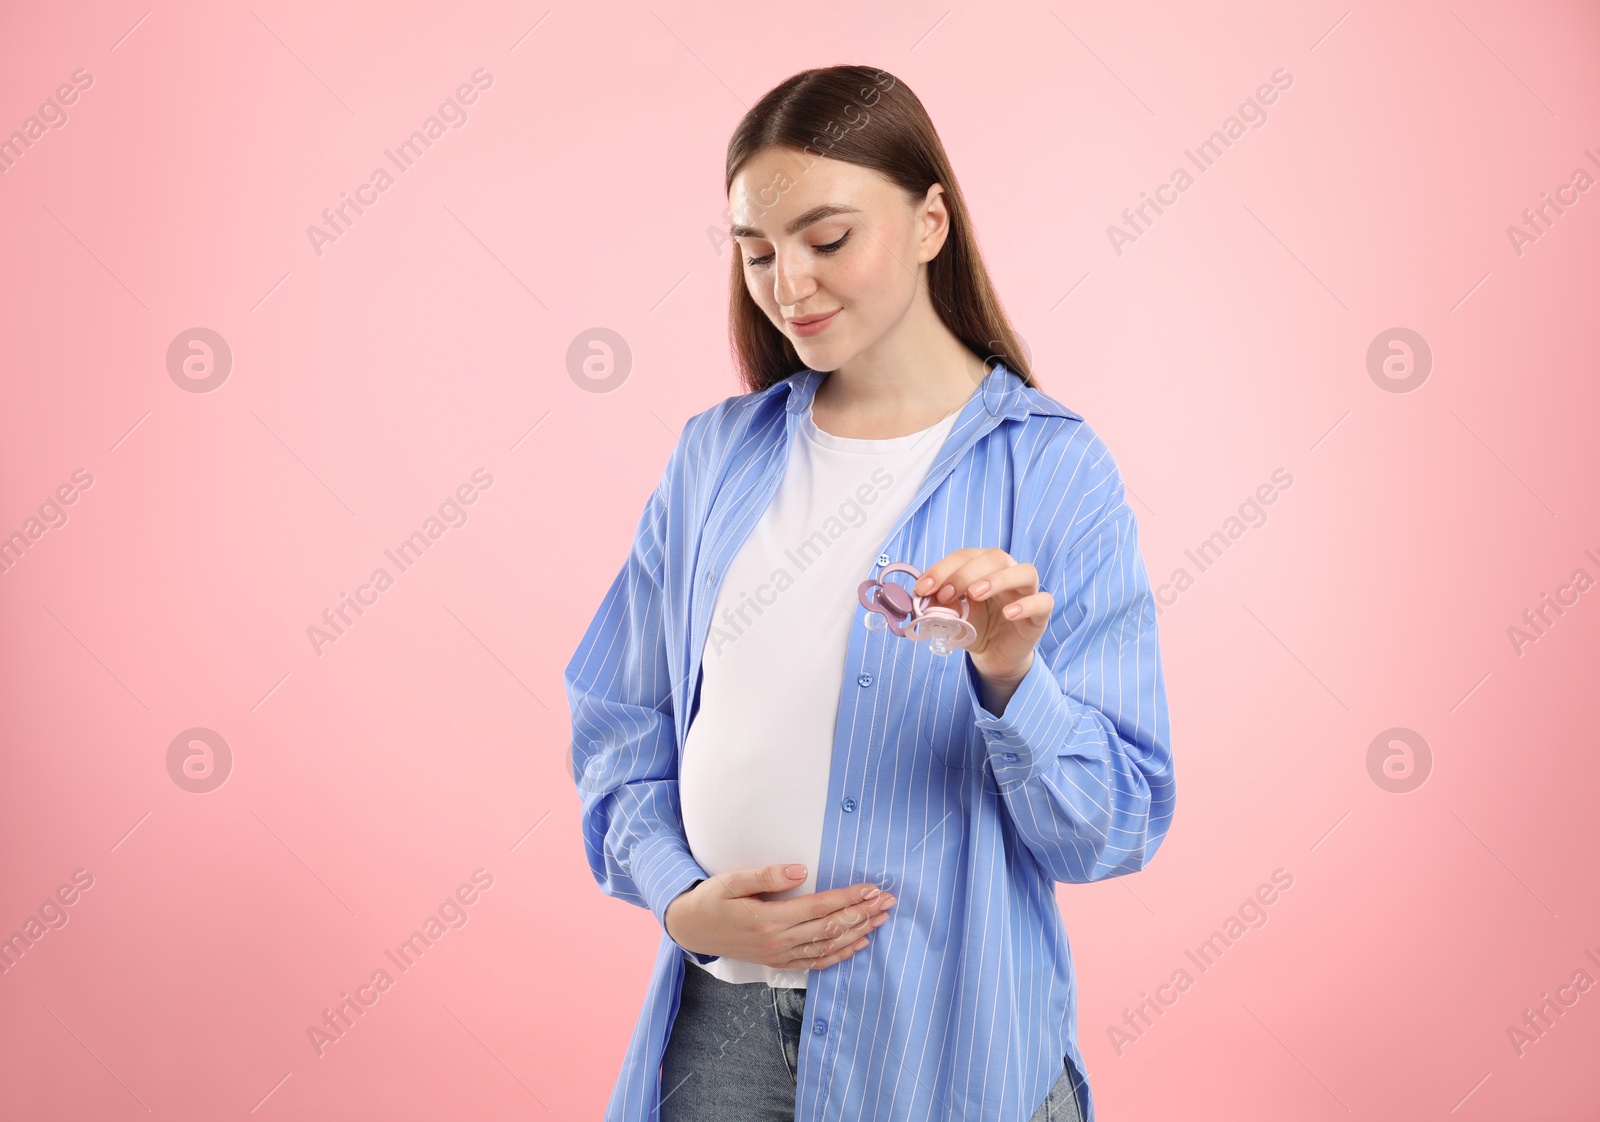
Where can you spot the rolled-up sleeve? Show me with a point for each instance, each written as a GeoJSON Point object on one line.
{"type": "Point", "coordinates": [624, 740]}
{"type": "Point", "coordinates": [1081, 754]}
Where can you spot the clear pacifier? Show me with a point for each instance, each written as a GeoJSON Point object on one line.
{"type": "Point", "coordinates": [893, 605]}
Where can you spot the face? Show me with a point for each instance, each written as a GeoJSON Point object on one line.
{"type": "Point", "coordinates": [820, 237]}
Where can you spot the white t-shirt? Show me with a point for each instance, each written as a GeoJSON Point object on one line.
{"type": "Point", "coordinates": [756, 760]}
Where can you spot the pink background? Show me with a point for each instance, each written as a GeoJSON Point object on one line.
{"type": "Point", "coordinates": [431, 340]}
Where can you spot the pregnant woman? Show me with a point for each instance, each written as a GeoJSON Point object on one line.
{"type": "Point", "coordinates": [851, 840]}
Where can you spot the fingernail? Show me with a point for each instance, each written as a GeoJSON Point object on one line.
{"type": "Point", "coordinates": [869, 892]}
{"type": "Point", "coordinates": [796, 871]}
{"type": "Point", "coordinates": [978, 588]}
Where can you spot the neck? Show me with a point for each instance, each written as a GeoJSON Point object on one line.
{"type": "Point", "coordinates": [898, 387]}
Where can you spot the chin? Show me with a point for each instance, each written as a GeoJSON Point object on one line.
{"type": "Point", "coordinates": [823, 360]}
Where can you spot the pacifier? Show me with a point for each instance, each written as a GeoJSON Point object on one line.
{"type": "Point", "coordinates": [914, 617]}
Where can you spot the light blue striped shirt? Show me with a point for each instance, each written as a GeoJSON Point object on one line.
{"type": "Point", "coordinates": [964, 1004]}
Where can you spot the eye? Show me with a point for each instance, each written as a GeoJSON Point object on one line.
{"type": "Point", "coordinates": [834, 247]}
{"type": "Point", "coordinates": [831, 247]}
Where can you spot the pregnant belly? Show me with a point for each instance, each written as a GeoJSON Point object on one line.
{"type": "Point", "coordinates": [744, 806]}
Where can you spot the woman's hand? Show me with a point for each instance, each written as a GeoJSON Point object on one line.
{"type": "Point", "coordinates": [1004, 604]}
{"type": "Point", "coordinates": [725, 916]}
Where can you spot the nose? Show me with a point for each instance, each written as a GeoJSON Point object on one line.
{"type": "Point", "coordinates": [792, 282]}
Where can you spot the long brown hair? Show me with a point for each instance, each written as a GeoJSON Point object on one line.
{"type": "Point", "coordinates": [866, 116]}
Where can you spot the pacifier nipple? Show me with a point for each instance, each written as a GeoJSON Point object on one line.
{"type": "Point", "coordinates": [944, 630]}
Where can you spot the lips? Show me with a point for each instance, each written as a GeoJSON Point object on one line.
{"type": "Point", "coordinates": [803, 320]}
{"type": "Point", "coordinates": [807, 326]}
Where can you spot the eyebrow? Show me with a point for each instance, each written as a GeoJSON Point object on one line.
{"type": "Point", "coordinates": [815, 214]}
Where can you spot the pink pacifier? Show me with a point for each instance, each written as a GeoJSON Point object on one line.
{"type": "Point", "coordinates": [914, 617]}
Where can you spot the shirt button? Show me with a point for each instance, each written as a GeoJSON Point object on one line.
{"type": "Point", "coordinates": [864, 680]}
{"type": "Point", "coordinates": [849, 803]}
{"type": "Point", "coordinates": [818, 1027]}
{"type": "Point", "coordinates": [711, 577]}
{"type": "Point", "coordinates": [883, 558]}
{"type": "Point", "coordinates": [1011, 757]}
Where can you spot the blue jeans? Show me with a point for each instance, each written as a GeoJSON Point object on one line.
{"type": "Point", "coordinates": [733, 1049]}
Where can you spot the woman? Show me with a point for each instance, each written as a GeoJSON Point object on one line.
{"type": "Point", "coordinates": [850, 842]}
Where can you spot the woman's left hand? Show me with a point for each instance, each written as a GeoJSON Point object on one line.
{"type": "Point", "coordinates": [1004, 604]}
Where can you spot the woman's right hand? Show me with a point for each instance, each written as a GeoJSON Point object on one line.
{"type": "Point", "coordinates": [725, 916]}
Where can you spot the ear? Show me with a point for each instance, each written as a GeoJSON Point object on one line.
{"type": "Point", "coordinates": [933, 223]}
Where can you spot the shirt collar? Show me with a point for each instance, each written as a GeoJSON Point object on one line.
{"type": "Point", "coordinates": [1002, 392]}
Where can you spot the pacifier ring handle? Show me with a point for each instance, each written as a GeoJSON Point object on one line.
{"type": "Point", "coordinates": [891, 605]}
{"type": "Point", "coordinates": [912, 616]}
